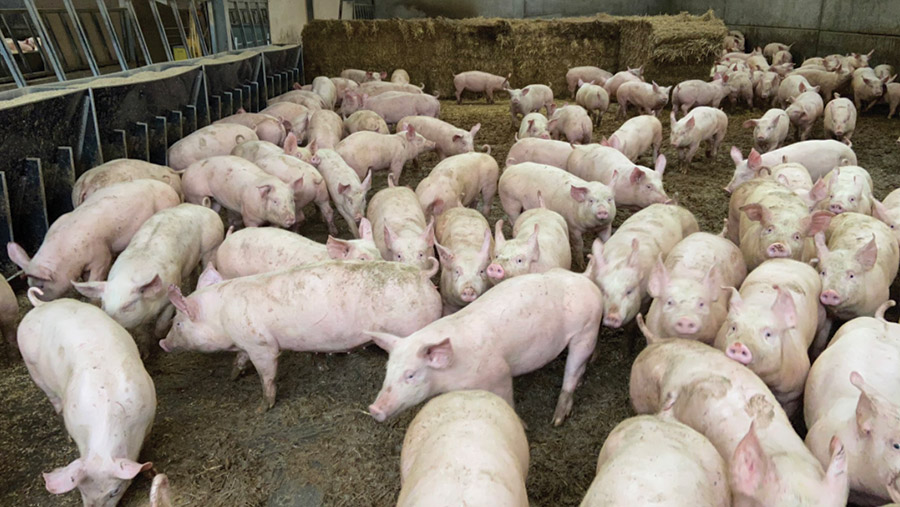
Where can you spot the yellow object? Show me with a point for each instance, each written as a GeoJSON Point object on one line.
{"type": "Point", "coordinates": [179, 53]}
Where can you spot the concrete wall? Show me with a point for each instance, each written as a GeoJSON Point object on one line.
{"type": "Point", "coordinates": [287, 17]}
{"type": "Point", "coordinates": [514, 8]}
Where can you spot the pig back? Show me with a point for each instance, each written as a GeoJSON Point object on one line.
{"type": "Point", "coordinates": [693, 256]}
{"type": "Point", "coordinates": [799, 278]}
{"type": "Point", "coordinates": [119, 171]}
{"type": "Point", "coordinates": [464, 448]}
{"type": "Point", "coordinates": [207, 142]}
{"type": "Point", "coordinates": [852, 231]}
{"type": "Point", "coordinates": [397, 208]}
{"type": "Point", "coordinates": [256, 250]}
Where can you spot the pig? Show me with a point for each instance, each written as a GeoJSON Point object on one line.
{"type": "Point", "coordinates": [164, 251]}
{"type": "Point", "coordinates": [345, 188]}
{"type": "Point", "coordinates": [447, 139]}
{"type": "Point", "coordinates": [220, 315]}
{"type": "Point", "coordinates": [782, 57]}
{"type": "Point", "coordinates": [529, 100]}
{"type": "Point", "coordinates": [458, 181]}
{"type": "Point", "coordinates": [767, 463]}
{"type": "Point", "coordinates": [325, 88]}
{"type": "Point", "coordinates": [883, 71]}
{"type": "Point", "coordinates": [298, 116]}
{"type": "Point", "coordinates": [637, 135]}
{"type": "Point", "coordinates": [309, 99]}
{"type": "Point", "coordinates": [367, 151]}
{"type": "Point", "coordinates": [479, 82]}
{"type": "Point", "coordinates": [594, 99]}
{"type": "Point", "coordinates": [849, 189]}
{"type": "Point", "coordinates": [241, 186]}
{"type": "Point", "coordinates": [740, 86]}
{"type": "Point", "coordinates": [160, 495]}
{"type": "Point", "coordinates": [208, 141]}
{"type": "Point", "coordinates": [649, 98]}
{"type": "Point", "coordinates": [96, 380]}
{"type": "Point", "coordinates": [621, 266]}
{"type": "Point", "coordinates": [851, 393]}
{"type": "Point", "coordinates": [573, 123]}
{"type": "Point", "coordinates": [792, 86]}
{"type": "Point", "coordinates": [772, 323]}
{"type": "Point", "coordinates": [892, 94]}
{"type": "Point", "coordinates": [804, 110]}
{"type": "Point", "coordinates": [701, 124]}
{"type": "Point", "coordinates": [773, 48]}
{"type": "Point", "coordinates": [393, 106]}
{"type": "Point", "coordinates": [463, 242]}
{"type": "Point", "coordinates": [365, 120]}
{"type": "Point", "coordinates": [363, 76]}
{"type": "Point", "coordinates": [254, 150]}
{"type": "Point", "coordinates": [826, 81]}
{"type": "Point", "coordinates": [770, 131]}
{"type": "Point", "coordinates": [400, 76]}
{"type": "Point", "coordinates": [325, 129]}
{"type": "Point", "coordinates": [464, 448]}
{"type": "Point", "coordinates": [888, 211]}
{"type": "Point", "coordinates": [817, 156]}
{"type": "Point", "coordinates": [688, 299]}
{"type": "Point", "coordinates": [540, 243]}
{"type": "Point", "coordinates": [840, 119]}
{"type": "Point", "coordinates": [765, 86]}
{"type": "Point", "coordinates": [512, 329]}
{"type": "Point", "coordinates": [586, 206]}
{"type": "Point", "coordinates": [373, 88]}
{"type": "Point", "coordinates": [82, 243]}
{"type": "Point", "coordinates": [758, 63]}
{"type": "Point", "coordinates": [794, 176]}
{"type": "Point", "coordinates": [121, 170]}
{"type": "Point", "coordinates": [256, 250]}
{"type": "Point", "coordinates": [577, 76]}
{"type": "Point", "coordinates": [533, 125]}
{"type": "Point", "coordinates": [540, 151]}
{"type": "Point", "coordinates": [612, 84]}
{"type": "Point", "coordinates": [694, 92]}
{"type": "Point", "coordinates": [633, 185]}
{"type": "Point", "coordinates": [734, 41]}
{"type": "Point", "coordinates": [267, 128]}
{"type": "Point", "coordinates": [9, 311]}
{"type": "Point", "coordinates": [769, 221]}
{"type": "Point", "coordinates": [399, 227]}
{"type": "Point", "coordinates": [342, 86]}
{"type": "Point", "coordinates": [857, 265]}
{"type": "Point", "coordinates": [867, 87]}
{"type": "Point", "coordinates": [641, 451]}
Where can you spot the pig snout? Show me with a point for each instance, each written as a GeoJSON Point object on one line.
{"type": "Point", "coordinates": [686, 325]}
{"type": "Point", "coordinates": [468, 294]}
{"type": "Point", "coordinates": [602, 214]}
{"type": "Point", "coordinates": [739, 352]}
{"type": "Point", "coordinates": [830, 297]}
{"type": "Point", "coordinates": [778, 250]}
{"type": "Point", "coordinates": [836, 208]}
{"type": "Point", "coordinates": [376, 412]}
{"type": "Point", "coordinates": [165, 346]}
{"type": "Point", "coordinates": [495, 272]}
{"type": "Point", "coordinates": [613, 319]}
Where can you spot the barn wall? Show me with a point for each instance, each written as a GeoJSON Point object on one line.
{"type": "Point", "coordinates": [515, 8]}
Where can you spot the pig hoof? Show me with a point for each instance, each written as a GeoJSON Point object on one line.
{"type": "Point", "coordinates": [563, 408]}
{"type": "Point", "coordinates": [236, 372]}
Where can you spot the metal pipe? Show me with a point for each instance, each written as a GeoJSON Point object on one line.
{"type": "Point", "coordinates": [162, 30]}
{"type": "Point", "coordinates": [184, 42]}
{"type": "Point", "coordinates": [46, 46]}
{"type": "Point", "coordinates": [117, 46]}
{"type": "Point", "coordinates": [140, 33]}
{"type": "Point", "coordinates": [83, 41]}
{"type": "Point", "coordinates": [10, 62]}
{"type": "Point", "coordinates": [196, 20]}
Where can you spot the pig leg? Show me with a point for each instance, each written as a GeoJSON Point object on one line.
{"type": "Point", "coordinates": [351, 224]}
{"type": "Point", "coordinates": [622, 113]}
{"type": "Point", "coordinates": [99, 267]}
{"type": "Point", "coordinates": [487, 197]}
{"type": "Point", "coordinates": [716, 141]}
{"type": "Point", "coordinates": [894, 104]}
{"type": "Point", "coordinates": [580, 348]}
{"type": "Point", "coordinates": [459, 95]}
{"type": "Point", "coordinates": [396, 170]}
{"type": "Point", "coordinates": [327, 216]}
{"type": "Point", "coordinates": [55, 400]}
{"type": "Point", "coordinates": [657, 142]}
{"type": "Point", "coordinates": [690, 155]}
{"type": "Point", "coordinates": [252, 222]}
{"type": "Point", "coordinates": [240, 364]}
{"type": "Point", "coordinates": [265, 360]}
{"type": "Point", "coordinates": [163, 322]}
{"type": "Point", "coordinates": [511, 206]}
{"type": "Point", "coordinates": [490, 95]}
{"type": "Point", "coordinates": [871, 105]}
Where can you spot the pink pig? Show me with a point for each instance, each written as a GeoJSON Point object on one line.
{"type": "Point", "coordinates": [365, 120]}
{"type": "Point", "coordinates": [637, 135]}
{"type": "Point", "coordinates": [613, 83]}
{"type": "Point", "coordinates": [533, 125]}
{"type": "Point", "coordinates": [540, 151]}
{"type": "Point", "coordinates": [463, 241]}
{"type": "Point", "coordinates": [594, 99]}
{"type": "Point", "coordinates": [840, 119]}
{"type": "Point", "coordinates": [345, 188]}
{"type": "Point", "coordinates": [540, 243]}
{"type": "Point", "coordinates": [325, 129]}
{"type": "Point", "coordinates": [804, 110]}
{"type": "Point", "coordinates": [121, 170]}
{"type": "Point", "coordinates": [342, 86]}
{"type": "Point", "coordinates": [634, 185]}
{"type": "Point", "coordinates": [529, 100]}
{"type": "Point", "coordinates": [370, 151]}
{"type": "Point", "coordinates": [458, 181]}
{"type": "Point", "coordinates": [818, 156]}
{"type": "Point", "coordinates": [694, 92]}
{"type": "Point", "coordinates": [479, 82]}
{"type": "Point", "coordinates": [306, 182]}
{"type": "Point", "coordinates": [888, 211]}
{"type": "Point", "coordinates": [268, 128]}
{"type": "Point", "coordinates": [393, 106]}
{"type": "Point", "coordinates": [701, 124]}
{"type": "Point", "coordinates": [399, 227]}
{"type": "Point", "coordinates": [448, 140]}
{"type": "Point", "coordinates": [770, 131]}
{"type": "Point", "coordinates": [573, 123]}
{"type": "Point", "coordinates": [648, 98]}
{"type": "Point", "coordinates": [577, 75]}
{"type": "Point", "coordinates": [208, 141]}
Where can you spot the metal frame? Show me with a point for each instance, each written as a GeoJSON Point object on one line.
{"type": "Point", "coordinates": [83, 41]}
{"type": "Point", "coordinates": [113, 36]}
{"type": "Point", "coordinates": [46, 45]}
{"type": "Point", "coordinates": [139, 33]}
{"type": "Point", "coordinates": [10, 61]}
{"type": "Point", "coordinates": [199, 27]}
{"type": "Point", "coordinates": [184, 42]}
{"type": "Point", "coordinates": [161, 28]}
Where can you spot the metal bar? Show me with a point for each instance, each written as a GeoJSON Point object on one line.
{"type": "Point", "coordinates": [162, 30]}
{"type": "Point", "coordinates": [140, 34]}
{"type": "Point", "coordinates": [220, 26]}
{"type": "Point", "coordinates": [119, 148]}
{"type": "Point", "coordinates": [278, 85]}
{"type": "Point", "coordinates": [89, 152]}
{"type": "Point", "coordinates": [253, 24]}
{"type": "Point", "coordinates": [10, 62]}
{"type": "Point", "coordinates": [158, 140]}
{"type": "Point", "coordinates": [141, 135]}
{"type": "Point", "coordinates": [174, 127]}
{"type": "Point", "coordinates": [196, 21]}
{"type": "Point", "coordinates": [114, 37]}
{"type": "Point", "coordinates": [238, 95]}
{"type": "Point", "coordinates": [215, 106]}
{"type": "Point", "coordinates": [243, 27]}
{"type": "Point", "coordinates": [270, 87]}
{"type": "Point", "coordinates": [6, 231]}
{"type": "Point", "coordinates": [181, 33]}
{"type": "Point", "coordinates": [28, 190]}
{"type": "Point", "coordinates": [83, 40]}
{"type": "Point", "coordinates": [190, 119]}
{"type": "Point", "coordinates": [68, 32]}
{"type": "Point", "coordinates": [248, 99]}
{"type": "Point", "coordinates": [58, 188]}
{"type": "Point", "coordinates": [264, 22]}
{"type": "Point", "coordinates": [227, 104]}
{"type": "Point", "coordinates": [6, 29]}
{"type": "Point", "coordinates": [46, 45]}
{"type": "Point", "coordinates": [255, 104]}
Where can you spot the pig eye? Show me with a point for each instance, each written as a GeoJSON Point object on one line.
{"type": "Point", "coordinates": [702, 304]}
{"type": "Point", "coordinates": [768, 335]}
{"type": "Point", "coordinates": [629, 291]}
{"type": "Point", "coordinates": [409, 375]}
{"type": "Point", "coordinates": [421, 254]}
{"type": "Point", "coordinates": [770, 229]}
{"type": "Point", "coordinates": [457, 272]}
{"type": "Point", "coordinates": [519, 260]}
{"type": "Point", "coordinates": [733, 328]}
{"type": "Point", "coordinates": [590, 201]}
{"type": "Point", "coordinates": [609, 199]}
{"type": "Point", "coordinates": [851, 275]}
{"type": "Point", "coordinates": [796, 236]}
{"type": "Point", "coordinates": [853, 199]}
{"type": "Point", "coordinates": [896, 446]}
{"type": "Point", "coordinates": [670, 302]}
{"type": "Point", "coordinates": [113, 493]}
{"type": "Point", "coordinates": [822, 272]}
{"type": "Point", "coordinates": [399, 257]}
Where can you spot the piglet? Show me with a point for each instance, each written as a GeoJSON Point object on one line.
{"type": "Point", "coordinates": [458, 181]}
{"type": "Point", "coordinates": [400, 76]}
{"type": "Point", "coordinates": [206, 142]}
{"type": "Point", "coordinates": [892, 94]}
{"type": "Point", "coordinates": [540, 243]}
{"type": "Point", "coordinates": [571, 122]}
{"type": "Point", "coordinates": [256, 250]}
{"type": "Point", "coordinates": [326, 89]}
{"type": "Point", "coordinates": [533, 125]}
{"type": "Point", "coordinates": [849, 189]}
{"type": "Point", "coordinates": [393, 106]}
{"type": "Point", "coordinates": [479, 82]}
{"type": "Point", "coordinates": [463, 241]}
{"type": "Point", "coordinates": [540, 151]}
{"type": "Point", "coordinates": [817, 156]}
{"type": "Point", "coordinates": [791, 87]}
{"type": "Point", "coordinates": [298, 116]}
{"type": "Point", "coordinates": [307, 98]}
{"type": "Point", "coordinates": [770, 131]}
{"type": "Point", "coordinates": [325, 129]}
{"type": "Point", "coordinates": [399, 227]}
{"type": "Point", "coordinates": [622, 265]}
{"type": "Point", "coordinates": [121, 170]}
{"type": "Point", "coordinates": [688, 299]}
{"type": "Point", "coordinates": [483, 346]}
{"type": "Point", "coordinates": [96, 380]}
{"type": "Point", "coordinates": [362, 76]}
{"type": "Point", "coordinates": [634, 185]}
{"type": "Point", "coordinates": [576, 76]}
{"type": "Point", "coordinates": [840, 119]}
{"type": "Point", "coordinates": [648, 98]}
{"type": "Point", "coordinates": [373, 88]}
{"type": "Point", "coordinates": [701, 124]}
{"type": "Point", "coordinates": [594, 98]}
{"type": "Point", "coordinates": [765, 86]}
{"type": "Point", "coordinates": [804, 110]}
{"type": "Point", "coordinates": [694, 92]}
{"type": "Point", "coordinates": [637, 135]}
{"type": "Point", "coordinates": [365, 120]}
{"type": "Point", "coordinates": [447, 139]}
{"type": "Point", "coordinates": [345, 188]}
{"type": "Point", "coordinates": [370, 151]}
{"type": "Point", "coordinates": [613, 83]}
{"type": "Point", "coordinates": [857, 263]}
{"type": "Point", "coordinates": [772, 323]}
{"type": "Point", "coordinates": [529, 100]}
{"type": "Point", "coordinates": [84, 241]}
{"type": "Point", "coordinates": [304, 317]}
{"type": "Point", "coordinates": [867, 87]}
{"type": "Point", "coordinates": [464, 448]}
{"type": "Point", "coordinates": [888, 211]}
{"type": "Point", "coordinates": [267, 128]}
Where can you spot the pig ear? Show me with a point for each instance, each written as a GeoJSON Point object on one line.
{"type": "Point", "coordinates": [388, 237]}
{"type": "Point", "coordinates": [428, 233]}
{"type": "Point", "coordinates": [385, 341]}
{"type": "Point", "coordinates": [90, 290]}
{"type": "Point", "coordinates": [736, 155]}
{"type": "Point", "coordinates": [65, 479]}
{"type": "Point", "coordinates": [159, 491]}
{"type": "Point", "coordinates": [784, 308]}
{"type": "Point", "coordinates": [659, 279]}
{"type": "Point", "coordinates": [337, 248]}
{"type": "Point", "coordinates": [367, 183]}
{"type": "Point", "coordinates": [635, 249]}
{"type": "Point", "coordinates": [264, 190]}
{"type": "Point", "coordinates": [313, 146]}
{"type": "Point", "coordinates": [821, 247]}
{"type": "Point", "coordinates": [17, 254]}
{"type": "Point", "coordinates": [365, 229]}
{"type": "Point", "coordinates": [713, 282]}
{"type": "Point", "coordinates": [153, 287]}
{"type": "Point", "coordinates": [749, 464]}
{"type": "Point", "coordinates": [485, 252]}
{"type": "Point", "coordinates": [818, 192]}
{"type": "Point", "coordinates": [438, 355]}
{"type": "Point", "coordinates": [436, 207]}
{"type": "Point", "coordinates": [660, 166]}
{"type": "Point", "coordinates": [343, 188]}
{"type": "Point", "coordinates": [735, 302]}
{"type": "Point", "coordinates": [181, 303]}
{"type": "Point", "coordinates": [893, 491]}
{"type": "Point", "coordinates": [290, 144]}
{"type": "Point", "coordinates": [818, 222]}
{"type": "Point", "coordinates": [754, 160]}
{"type": "Point", "coordinates": [533, 244]}
{"type": "Point", "coordinates": [411, 133]}
{"type": "Point", "coordinates": [870, 406]}
{"type": "Point", "coordinates": [457, 138]}
{"type": "Point", "coordinates": [525, 91]}
{"type": "Point", "coordinates": [758, 213]}
{"type": "Point", "coordinates": [690, 123]}
{"type": "Point", "coordinates": [297, 185]}
{"type": "Point", "coordinates": [868, 254]}
{"type": "Point", "coordinates": [445, 254]}
{"type": "Point", "coordinates": [880, 211]}
{"type": "Point", "coordinates": [475, 129]}
{"type": "Point", "coordinates": [578, 193]}
{"type": "Point", "coordinates": [125, 469]}
{"type": "Point", "coordinates": [209, 277]}
{"type": "Point", "coordinates": [597, 255]}
{"type": "Point", "coordinates": [836, 477]}
{"type": "Point", "coordinates": [750, 123]}
{"type": "Point", "coordinates": [499, 240]}
{"type": "Point", "coordinates": [636, 176]}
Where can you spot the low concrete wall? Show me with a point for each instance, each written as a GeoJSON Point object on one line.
{"type": "Point", "coordinates": [516, 8]}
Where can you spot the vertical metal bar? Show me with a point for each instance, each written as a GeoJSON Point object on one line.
{"type": "Point", "coordinates": [83, 41]}
{"type": "Point", "coordinates": [264, 23]}
{"type": "Point", "coordinates": [140, 34]}
{"type": "Point", "coordinates": [220, 26]}
{"type": "Point", "coordinates": [190, 119]}
{"type": "Point", "coordinates": [120, 144]}
{"type": "Point", "coordinates": [46, 45]}
{"type": "Point", "coordinates": [162, 30]}
{"type": "Point", "coordinates": [196, 21]}
{"type": "Point", "coordinates": [88, 152]}
{"type": "Point", "coordinates": [270, 87]}
{"type": "Point", "coordinates": [15, 42]}
{"type": "Point", "coordinates": [174, 127]}
{"type": "Point", "coordinates": [240, 16]}
{"type": "Point", "coordinates": [141, 135]}
{"type": "Point", "coordinates": [227, 104]}
{"type": "Point", "coordinates": [10, 62]}
{"type": "Point", "coordinates": [58, 185]}
{"type": "Point", "coordinates": [248, 101]}
{"type": "Point", "coordinates": [117, 46]}
{"type": "Point", "coordinates": [68, 33]}
{"type": "Point", "coordinates": [33, 202]}
{"type": "Point", "coordinates": [310, 14]}
{"type": "Point", "coordinates": [215, 105]}
{"type": "Point", "coordinates": [6, 231]}
{"type": "Point", "coordinates": [238, 95]}
{"type": "Point", "coordinates": [253, 25]}
{"type": "Point", "coordinates": [255, 104]}
{"type": "Point", "coordinates": [158, 140]}
{"type": "Point", "coordinates": [184, 41]}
